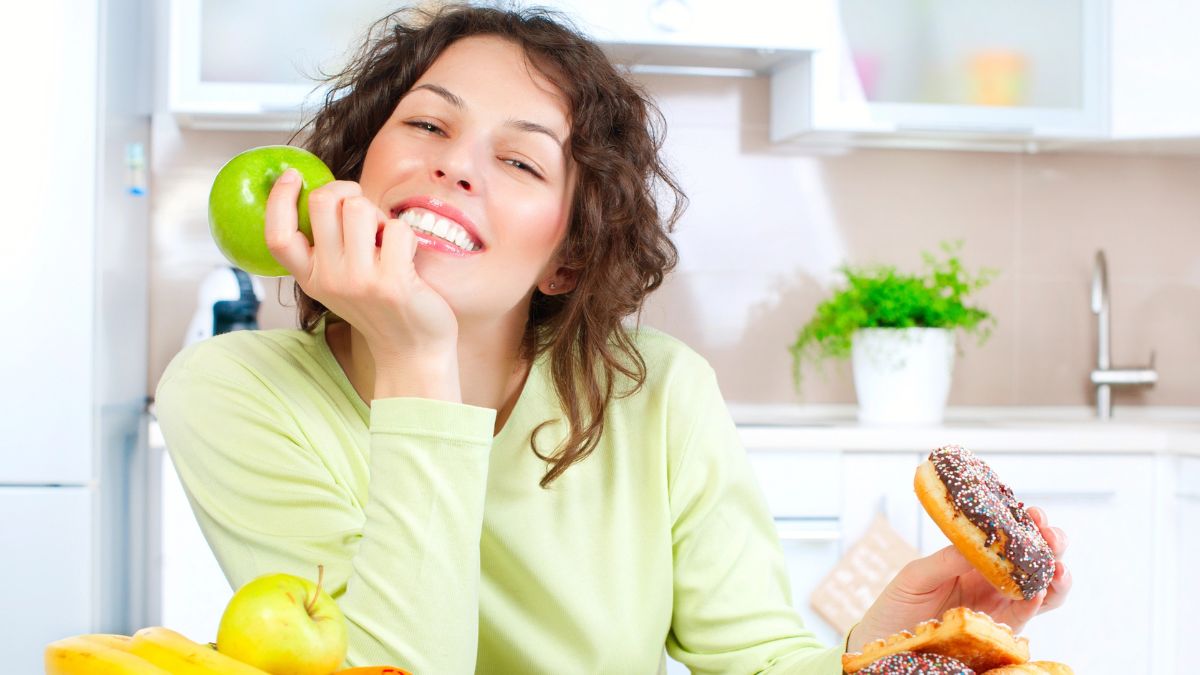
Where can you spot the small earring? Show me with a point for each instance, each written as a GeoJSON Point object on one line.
{"type": "Point", "coordinates": [553, 285]}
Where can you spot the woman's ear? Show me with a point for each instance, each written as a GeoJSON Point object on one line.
{"type": "Point", "coordinates": [561, 281]}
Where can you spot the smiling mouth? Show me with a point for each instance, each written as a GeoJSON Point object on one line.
{"type": "Point", "coordinates": [443, 228]}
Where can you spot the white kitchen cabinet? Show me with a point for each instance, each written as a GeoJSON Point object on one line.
{"type": "Point", "coordinates": [1017, 75]}
{"type": "Point", "coordinates": [811, 547]}
{"type": "Point", "coordinates": [47, 570]}
{"type": "Point", "coordinates": [1105, 504]}
{"type": "Point", "coordinates": [225, 71]}
{"type": "Point", "coordinates": [47, 361]}
{"type": "Point", "coordinates": [800, 25]}
{"type": "Point", "coordinates": [881, 482]}
{"type": "Point", "coordinates": [193, 590]}
{"type": "Point", "coordinates": [242, 65]}
{"type": "Point", "coordinates": [75, 359]}
{"type": "Point", "coordinates": [1186, 535]}
{"type": "Point", "coordinates": [804, 493]}
{"type": "Point", "coordinates": [683, 35]}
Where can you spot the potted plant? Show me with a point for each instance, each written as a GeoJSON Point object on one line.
{"type": "Point", "coordinates": [900, 331]}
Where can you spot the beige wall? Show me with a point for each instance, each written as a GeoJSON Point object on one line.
{"type": "Point", "coordinates": [767, 225]}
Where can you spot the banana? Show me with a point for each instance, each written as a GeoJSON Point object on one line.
{"type": "Point", "coordinates": [95, 655]}
{"type": "Point", "coordinates": [118, 642]}
{"type": "Point", "coordinates": [178, 654]}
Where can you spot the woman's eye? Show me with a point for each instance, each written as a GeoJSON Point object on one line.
{"type": "Point", "coordinates": [425, 126]}
{"type": "Point", "coordinates": [523, 166]}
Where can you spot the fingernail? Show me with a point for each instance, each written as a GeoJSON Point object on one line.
{"type": "Point", "coordinates": [289, 176]}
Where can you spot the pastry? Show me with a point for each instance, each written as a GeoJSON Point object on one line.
{"type": "Point", "coordinates": [983, 520]}
{"type": "Point", "coordinates": [969, 636]}
{"type": "Point", "coordinates": [1033, 668]}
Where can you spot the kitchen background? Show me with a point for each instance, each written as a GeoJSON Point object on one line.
{"type": "Point", "coordinates": [797, 164]}
{"type": "Point", "coordinates": [766, 227]}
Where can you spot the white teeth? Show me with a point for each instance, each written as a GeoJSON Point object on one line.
{"type": "Point", "coordinates": [427, 221]}
{"type": "Point", "coordinates": [443, 228]}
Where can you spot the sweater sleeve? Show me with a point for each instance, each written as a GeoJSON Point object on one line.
{"type": "Point", "coordinates": [732, 607]}
{"type": "Point", "coordinates": [404, 567]}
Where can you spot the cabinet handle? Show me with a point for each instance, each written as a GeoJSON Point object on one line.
{"type": "Point", "coordinates": [967, 128]}
{"type": "Point", "coordinates": [1032, 496]}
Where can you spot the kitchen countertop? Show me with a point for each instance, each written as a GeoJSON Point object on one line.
{"type": "Point", "coordinates": [995, 429]}
{"type": "Point", "coordinates": [1159, 430]}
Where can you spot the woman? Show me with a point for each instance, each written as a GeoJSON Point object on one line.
{"type": "Point", "coordinates": [498, 476]}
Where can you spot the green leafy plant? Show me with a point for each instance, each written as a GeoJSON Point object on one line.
{"type": "Point", "coordinates": [882, 297]}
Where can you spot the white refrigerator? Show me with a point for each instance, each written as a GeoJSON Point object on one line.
{"type": "Point", "coordinates": [75, 223]}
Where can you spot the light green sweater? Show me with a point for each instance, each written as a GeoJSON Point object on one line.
{"type": "Point", "coordinates": [441, 549]}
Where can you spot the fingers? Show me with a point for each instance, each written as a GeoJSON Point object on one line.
{"type": "Point", "coordinates": [286, 243]}
{"type": "Point", "coordinates": [1060, 587]}
{"type": "Point", "coordinates": [1054, 536]}
{"type": "Point", "coordinates": [924, 575]}
{"type": "Point", "coordinates": [1060, 583]}
{"type": "Point", "coordinates": [398, 246]}
{"type": "Point", "coordinates": [360, 221]}
{"type": "Point", "coordinates": [1024, 610]}
{"type": "Point", "coordinates": [325, 211]}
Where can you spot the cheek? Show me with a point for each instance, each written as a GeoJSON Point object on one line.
{"type": "Point", "coordinates": [385, 161]}
{"type": "Point", "coordinates": [541, 226]}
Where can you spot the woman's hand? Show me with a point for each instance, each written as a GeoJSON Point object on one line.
{"type": "Point", "coordinates": [360, 266]}
{"type": "Point", "coordinates": [928, 586]}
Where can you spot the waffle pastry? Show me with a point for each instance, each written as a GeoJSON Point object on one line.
{"type": "Point", "coordinates": [969, 636]}
{"type": "Point", "coordinates": [1033, 668]}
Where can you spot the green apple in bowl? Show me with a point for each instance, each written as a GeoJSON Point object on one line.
{"type": "Point", "coordinates": [285, 625]}
{"type": "Point", "coordinates": [237, 203]}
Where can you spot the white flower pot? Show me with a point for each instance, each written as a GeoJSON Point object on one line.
{"type": "Point", "coordinates": [902, 375]}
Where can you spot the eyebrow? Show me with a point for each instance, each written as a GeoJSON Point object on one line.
{"type": "Point", "coordinates": [521, 125]}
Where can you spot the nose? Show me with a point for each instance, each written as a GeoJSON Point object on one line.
{"type": "Point", "coordinates": [461, 182]}
{"type": "Point", "coordinates": [456, 164]}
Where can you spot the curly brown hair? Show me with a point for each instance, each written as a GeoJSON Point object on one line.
{"type": "Point", "coordinates": [617, 242]}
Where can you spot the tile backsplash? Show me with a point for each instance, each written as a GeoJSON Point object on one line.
{"type": "Point", "coordinates": [768, 224]}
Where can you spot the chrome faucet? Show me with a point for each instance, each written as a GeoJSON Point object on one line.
{"type": "Point", "coordinates": [1105, 377]}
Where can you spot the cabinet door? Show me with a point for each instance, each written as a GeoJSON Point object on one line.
{"type": "Point", "coordinates": [47, 570]}
{"type": "Point", "coordinates": [226, 71]}
{"type": "Point", "coordinates": [881, 482]}
{"type": "Point", "coordinates": [1186, 596]}
{"type": "Point", "coordinates": [194, 589]}
{"type": "Point", "coordinates": [932, 71]}
{"type": "Point", "coordinates": [754, 24]}
{"type": "Point", "coordinates": [804, 492]}
{"type": "Point", "coordinates": [811, 547]}
{"type": "Point", "coordinates": [1105, 504]}
{"type": "Point", "coordinates": [49, 268]}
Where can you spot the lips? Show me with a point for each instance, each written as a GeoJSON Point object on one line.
{"type": "Point", "coordinates": [442, 220]}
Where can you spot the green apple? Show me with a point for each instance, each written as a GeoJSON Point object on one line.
{"type": "Point", "coordinates": [285, 625]}
{"type": "Point", "coordinates": [237, 204]}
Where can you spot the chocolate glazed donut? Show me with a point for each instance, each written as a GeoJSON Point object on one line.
{"type": "Point", "coordinates": [980, 516]}
{"type": "Point", "coordinates": [911, 663]}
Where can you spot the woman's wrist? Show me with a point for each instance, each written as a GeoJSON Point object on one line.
{"type": "Point", "coordinates": [424, 377]}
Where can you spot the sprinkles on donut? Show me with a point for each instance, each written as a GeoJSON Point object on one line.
{"type": "Point", "coordinates": [912, 663]}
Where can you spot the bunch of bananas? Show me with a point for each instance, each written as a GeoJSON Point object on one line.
{"type": "Point", "coordinates": [151, 651]}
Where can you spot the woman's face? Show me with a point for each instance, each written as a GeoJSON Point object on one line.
{"type": "Point", "coordinates": [477, 149]}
